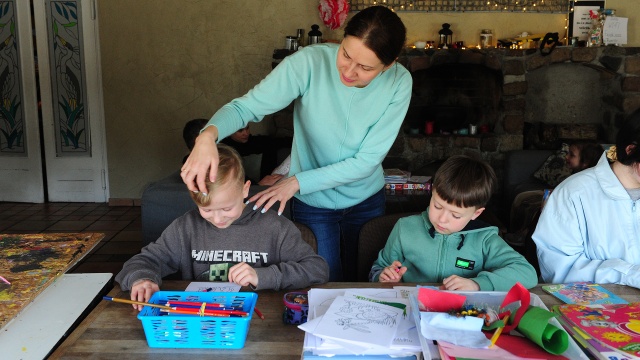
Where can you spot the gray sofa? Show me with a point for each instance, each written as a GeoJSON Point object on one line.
{"type": "Point", "coordinates": [518, 173]}
{"type": "Point", "coordinates": [165, 200]}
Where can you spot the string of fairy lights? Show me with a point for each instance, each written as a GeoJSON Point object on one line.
{"type": "Point", "coordinates": [540, 6]}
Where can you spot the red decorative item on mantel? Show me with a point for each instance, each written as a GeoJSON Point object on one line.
{"type": "Point", "coordinates": [333, 12]}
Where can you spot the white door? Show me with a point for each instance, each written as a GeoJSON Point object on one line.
{"type": "Point", "coordinates": [20, 152]}
{"type": "Point", "coordinates": [73, 136]}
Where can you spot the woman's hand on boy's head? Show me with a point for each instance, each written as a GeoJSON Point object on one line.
{"type": "Point", "coordinates": [142, 291]}
{"type": "Point", "coordinates": [202, 163]}
{"type": "Point", "coordinates": [243, 274]}
{"type": "Point", "coordinates": [455, 282]}
{"type": "Point", "coordinates": [282, 191]}
{"type": "Point", "coordinates": [393, 272]}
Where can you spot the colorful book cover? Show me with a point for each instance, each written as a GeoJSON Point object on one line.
{"type": "Point", "coordinates": [583, 293]}
{"type": "Point", "coordinates": [614, 325]}
{"type": "Point", "coordinates": [588, 344]}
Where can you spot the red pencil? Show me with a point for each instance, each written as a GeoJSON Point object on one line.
{"type": "Point", "coordinates": [258, 313]}
{"type": "Point", "coordinates": [193, 303]}
{"type": "Point", "coordinates": [226, 313]}
{"type": "Point", "coordinates": [209, 311]}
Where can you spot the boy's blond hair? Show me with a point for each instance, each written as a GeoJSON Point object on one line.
{"type": "Point", "coordinates": [464, 181]}
{"type": "Point", "coordinates": [229, 170]}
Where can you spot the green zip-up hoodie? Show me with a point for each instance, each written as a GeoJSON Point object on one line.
{"type": "Point", "coordinates": [477, 252]}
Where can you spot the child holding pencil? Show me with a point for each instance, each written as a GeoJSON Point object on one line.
{"type": "Point", "coordinates": [447, 244]}
{"type": "Point", "coordinates": [224, 240]}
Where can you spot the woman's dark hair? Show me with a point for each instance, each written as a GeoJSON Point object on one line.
{"type": "Point", "coordinates": [629, 134]}
{"type": "Point", "coordinates": [381, 30]}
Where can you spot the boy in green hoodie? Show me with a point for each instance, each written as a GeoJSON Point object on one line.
{"type": "Point", "coordinates": [447, 244]}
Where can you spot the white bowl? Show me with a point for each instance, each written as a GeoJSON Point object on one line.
{"type": "Point", "coordinates": [420, 44]}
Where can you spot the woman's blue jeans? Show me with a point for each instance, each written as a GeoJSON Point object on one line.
{"type": "Point", "coordinates": [337, 232]}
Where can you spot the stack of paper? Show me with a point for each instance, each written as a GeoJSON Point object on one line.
{"type": "Point", "coordinates": [358, 322]}
{"type": "Point", "coordinates": [396, 176]}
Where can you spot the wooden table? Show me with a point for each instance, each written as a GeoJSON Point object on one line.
{"type": "Point", "coordinates": [112, 330]}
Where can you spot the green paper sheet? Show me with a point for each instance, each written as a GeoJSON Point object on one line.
{"type": "Point", "coordinates": [534, 325]}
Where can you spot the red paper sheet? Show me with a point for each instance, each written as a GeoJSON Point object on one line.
{"type": "Point", "coordinates": [439, 301]}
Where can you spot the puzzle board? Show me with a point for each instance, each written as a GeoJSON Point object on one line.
{"type": "Point", "coordinates": [30, 262]}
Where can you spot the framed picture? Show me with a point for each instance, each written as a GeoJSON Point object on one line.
{"type": "Point", "coordinates": [579, 20]}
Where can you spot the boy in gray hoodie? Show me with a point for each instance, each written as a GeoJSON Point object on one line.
{"type": "Point", "coordinates": [224, 240]}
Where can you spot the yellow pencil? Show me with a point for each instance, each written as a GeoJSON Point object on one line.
{"type": "Point", "coordinates": [109, 298]}
{"type": "Point", "coordinates": [498, 331]}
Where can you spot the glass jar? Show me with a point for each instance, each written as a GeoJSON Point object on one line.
{"type": "Point", "coordinates": [486, 39]}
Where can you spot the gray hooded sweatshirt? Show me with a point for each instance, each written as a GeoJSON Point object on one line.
{"type": "Point", "coordinates": [200, 251]}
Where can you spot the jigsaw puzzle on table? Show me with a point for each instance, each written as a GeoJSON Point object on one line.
{"type": "Point", "coordinates": [30, 262]}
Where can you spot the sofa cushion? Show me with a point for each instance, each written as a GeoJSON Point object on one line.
{"type": "Point", "coordinates": [554, 170]}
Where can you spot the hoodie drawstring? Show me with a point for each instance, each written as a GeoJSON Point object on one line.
{"type": "Point", "coordinates": [461, 244]}
{"type": "Point", "coordinates": [432, 233]}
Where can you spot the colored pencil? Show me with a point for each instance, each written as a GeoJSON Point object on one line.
{"type": "Point", "coordinates": [191, 310]}
{"type": "Point", "coordinates": [198, 305]}
{"type": "Point", "coordinates": [498, 331]}
{"type": "Point", "coordinates": [125, 301]}
{"type": "Point", "coordinates": [258, 313]}
{"type": "Point", "coordinates": [205, 313]}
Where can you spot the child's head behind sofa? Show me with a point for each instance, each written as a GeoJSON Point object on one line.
{"type": "Point", "coordinates": [230, 170]}
{"type": "Point", "coordinates": [464, 181]}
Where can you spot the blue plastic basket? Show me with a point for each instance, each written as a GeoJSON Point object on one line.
{"type": "Point", "coordinates": [193, 331]}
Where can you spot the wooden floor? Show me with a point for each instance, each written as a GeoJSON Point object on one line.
{"type": "Point", "coordinates": [120, 224]}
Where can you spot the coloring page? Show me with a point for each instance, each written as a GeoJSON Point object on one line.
{"type": "Point", "coordinates": [360, 321]}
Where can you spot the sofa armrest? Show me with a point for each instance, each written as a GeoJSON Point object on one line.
{"type": "Point", "coordinates": [162, 202]}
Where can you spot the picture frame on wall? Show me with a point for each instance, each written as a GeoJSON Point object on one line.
{"type": "Point", "coordinates": [579, 21]}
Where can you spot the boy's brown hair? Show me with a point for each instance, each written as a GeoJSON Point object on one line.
{"type": "Point", "coordinates": [464, 181]}
{"type": "Point", "coordinates": [229, 170]}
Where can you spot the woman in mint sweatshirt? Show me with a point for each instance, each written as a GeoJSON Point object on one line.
{"type": "Point", "coordinates": [350, 100]}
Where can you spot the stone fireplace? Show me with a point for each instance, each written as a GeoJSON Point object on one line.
{"type": "Point", "coordinates": [526, 100]}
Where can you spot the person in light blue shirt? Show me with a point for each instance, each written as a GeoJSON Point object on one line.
{"type": "Point", "coordinates": [350, 100]}
{"type": "Point", "coordinates": [589, 229]}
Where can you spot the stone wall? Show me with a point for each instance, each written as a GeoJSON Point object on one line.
{"type": "Point", "coordinates": [532, 98]}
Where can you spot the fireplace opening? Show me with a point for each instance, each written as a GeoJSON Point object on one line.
{"type": "Point", "coordinates": [453, 97]}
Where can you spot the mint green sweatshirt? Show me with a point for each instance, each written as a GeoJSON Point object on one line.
{"type": "Point", "coordinates": [476, 252]}
{"type": "Point", "coordinates": [341, 133]}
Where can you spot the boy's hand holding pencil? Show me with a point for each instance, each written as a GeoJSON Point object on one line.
{"type": "Point", "coordinates": [393, 272]}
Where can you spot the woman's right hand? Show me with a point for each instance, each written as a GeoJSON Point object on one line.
{"type": "Point", "coordinates": [202, 162]}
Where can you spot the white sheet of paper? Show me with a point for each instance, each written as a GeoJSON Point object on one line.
{"type": "Point", "coordinates": [465, 331]}
{"type": "Point", "coordinates": [403, 338]}
{"type": "Point", "coordinates": [321, 299]}
{"type": "Point", "coordinates": [615, 30]}
{"type": "Point", "coordinates": [210, 286]}
{"type": "Point", "coordinates": [361, 321]}
{"type": "Point", "coordinates": [582, 22]}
